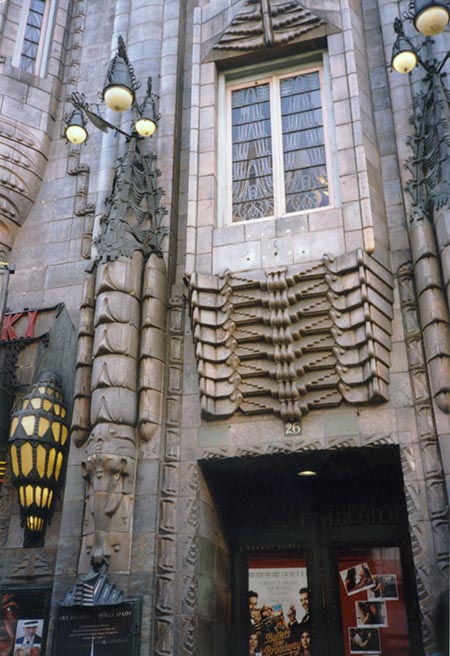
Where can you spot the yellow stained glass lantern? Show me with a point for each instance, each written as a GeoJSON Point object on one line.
{"type": "Point", "coordinates": [38, 443]}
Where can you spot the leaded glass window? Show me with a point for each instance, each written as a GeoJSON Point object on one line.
{"type": "Point", "coordinates": [278, 152]}
{"type": "Point", "coordinates": [252, 153]}
{"type": "Point", "coordinates": [32, 35]}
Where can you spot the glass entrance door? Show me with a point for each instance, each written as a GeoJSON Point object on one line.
{"type": "Point", "coordinates": [323, 600]}
{"type": "Point", "coordinates": [324, 567]}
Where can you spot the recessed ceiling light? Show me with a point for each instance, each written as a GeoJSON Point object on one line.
{"type": "Point", "coordinates": [306, 472]}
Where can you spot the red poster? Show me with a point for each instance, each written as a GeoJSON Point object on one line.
{"type": "Point", "coordinates": [373, 610]}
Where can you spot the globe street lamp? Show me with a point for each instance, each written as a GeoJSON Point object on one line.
{"type": "Point", "coordinates": [119, 94]}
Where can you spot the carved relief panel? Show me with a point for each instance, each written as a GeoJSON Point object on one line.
{"type": "Point", "coordinates": [286, 341]}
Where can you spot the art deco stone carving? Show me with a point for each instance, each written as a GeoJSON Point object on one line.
{"type": "Point", "coordinates": [108, 471]}
{"type": "Point", "coordinates": [94, 589]}
{"type": "Point", "coordinates": [35, 563]}
{"type": "Point", "coordinates": [81, 171]}
{"type": "Point", "coordinates": [23, 157]}
{"type": "Point", "coordinates": [267, 23]}
{"type": "Point", "coordinates": [428, 224]}
{"type": "Point", "coordinates": [121, 355]}
{"type": "Point", "coordinates": [431, 556]}
{"type": "Point", "coordinates": [286, 341]}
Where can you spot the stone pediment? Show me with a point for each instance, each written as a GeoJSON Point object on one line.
{"type": "Point", "coordinates": [288, 340]}
{"type": "Point", "coordinates": [271, 23]}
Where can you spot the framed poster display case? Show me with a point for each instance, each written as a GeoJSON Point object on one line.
{"type": "Point", "coordinates": [24, 617]}
{"type": "Point", "coordinates": [111, 630]}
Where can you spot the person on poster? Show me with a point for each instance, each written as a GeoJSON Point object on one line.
{"type": "Point", "coordinates": [294, 625]}
{"type": "Point", "coordinates": [253, 645]}
{"type": "Point", "coordinates": [254, 613]}
{"type": "Point", "coordinates": [370, 613]}
{"type": "Point", "coordinates": [7, 631]}
{"type": "Point", "coordinates": [304, 602]}
{"type": "Point", "coordinates": [359, 639]}
{"type": "Point", "coordinates": [10, 609]}
{"type": "Point", "coordinates": [305, 644]}
{"type": "Point", "coordinates": [350, 579]}
{"type": "Point", "coordinates": [30, 637]}
{"type": "Point", "coordinates": [364, 578]}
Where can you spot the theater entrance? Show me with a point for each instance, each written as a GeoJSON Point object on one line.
{"type": "Point", "coordinates": [320, 553]}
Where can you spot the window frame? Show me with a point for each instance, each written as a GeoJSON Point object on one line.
{"type": "Point", "coordinates": [41, 61]}
{"type": "Point", "coordinates": [273, 73]}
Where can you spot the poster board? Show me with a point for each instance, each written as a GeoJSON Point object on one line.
{"type": "Point", "coordinates": [24, 615]}
{"type": "Point", "coordinates": [374, 616]}
{"type": "Point", "coordinates": [278, 605]}
{"type": "Point", "coordinates": [98, 630]}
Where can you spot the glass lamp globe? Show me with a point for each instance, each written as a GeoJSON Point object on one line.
{"type": "Point", "coordinates": [145, 127]}
{"type": "Point", "coordinates": [404, 61]}
{"type": "Point", "coordinates": [76, 134]}
{"type": "Point", "coordinates": [118, 98]}
{"type": "Point", "coordinates": [431, 20]}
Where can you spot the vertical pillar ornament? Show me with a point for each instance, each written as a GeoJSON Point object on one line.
{"type": "Point", "coordinates": [121, 349]}
{"type": "Point", "coordinates": [428, 223]}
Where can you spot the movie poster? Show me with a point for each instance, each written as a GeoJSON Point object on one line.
{"type": "Point", "coordinates": [23, 621]}
{"type": "Point", "coordinates": [278, 607]}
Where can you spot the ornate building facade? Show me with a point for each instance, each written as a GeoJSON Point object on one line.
{"type": "Point", "coordinates": [225, 349]}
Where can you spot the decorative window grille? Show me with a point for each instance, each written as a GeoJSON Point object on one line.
{"type": "Point", "coordinates": [32, 35]}
{"type": "Point", "coordinates": [278, 146]}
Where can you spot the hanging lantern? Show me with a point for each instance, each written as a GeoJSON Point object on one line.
{"type": "Point", "coordinates": [75, 131]}
{"type": "Point", "coordinates": [430, 18]}
{"type": "Point", "coordinates": [147, 122]}
{"type": "Point", "coordinates": [38, 443]}
{"type": "Point", "coordinates": [404, 57]}
{"type": "Point", "coordinates": [120, 84]}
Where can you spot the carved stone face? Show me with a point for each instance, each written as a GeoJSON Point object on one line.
{"type": "Point", "coordinates": [110, 438]}
{"type": "Point", "coordinates": [107, 472]}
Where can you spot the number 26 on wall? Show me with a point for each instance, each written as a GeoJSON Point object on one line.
{"type": "Point", "coordinates": [292, 429]}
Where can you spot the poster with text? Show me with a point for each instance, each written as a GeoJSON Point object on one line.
{"type": "Point", "coordinates": [97, 631]}
{"type": "Point", "coordinates": [278, 606]}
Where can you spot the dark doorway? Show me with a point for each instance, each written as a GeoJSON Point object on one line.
{"type": "Point", "coordinates": [314, 521]}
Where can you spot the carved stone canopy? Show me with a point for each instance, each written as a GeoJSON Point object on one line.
{"type": "Point", "coordinates": [268, 23]}
{"type": "Point", "coordinates": [289, 340]}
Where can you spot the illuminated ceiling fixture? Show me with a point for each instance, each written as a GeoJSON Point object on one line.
{"type": "Point", "coordinates": [307, 473]}
{"type": "Point", "coordinates": [38, 445]}
{"type": "Point", "coordinates": [119, 94]}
